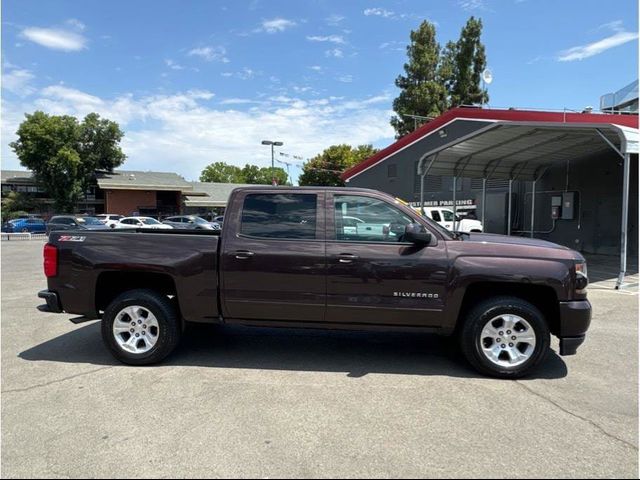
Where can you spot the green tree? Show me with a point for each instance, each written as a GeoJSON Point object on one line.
{"type": "Point", "coordinates": [64, 153]}
{"type": "Point", "coordinates": [462, 65]}
{"type": "Point", "coordinates": [325, 169]}
{"type": "Point", "coordinates": [266, 175]}
{"type": "Point", "coordinates": [438, 79]}
{"type": "Point", "coordinates": [422, 91]}
{"type": "Point", "coordinates": [250, 174]}
{"type": "Point", "coordinates": [220, 172]}
{"type": "Point", "coordinates": [16, 203]}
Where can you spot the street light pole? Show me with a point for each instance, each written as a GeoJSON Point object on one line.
{"type": "Point", "coordinates": [273, 144]}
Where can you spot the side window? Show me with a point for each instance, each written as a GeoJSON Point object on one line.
{"type": "Point", "coordinates": [435, 215]}
{"type": "Point", "coordinates": [279, 216]}
{"type": "Point", "coordinates": [448, 215]}
{"type": "Point", "coordinates": [366, 219]}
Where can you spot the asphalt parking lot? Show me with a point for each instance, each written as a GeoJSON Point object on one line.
{"type": "Point", "coordinates": [268, 403]}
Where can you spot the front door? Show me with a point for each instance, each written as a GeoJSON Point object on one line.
{"type": "Point", "coordinates": [273, 257]}
{"type": "Point", "coordinates": [373, 276]}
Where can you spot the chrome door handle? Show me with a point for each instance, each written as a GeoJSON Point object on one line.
{"type": "Point", "coordinates": [347, 257]}
{"type": "Point", "coordinates": [244, 254]}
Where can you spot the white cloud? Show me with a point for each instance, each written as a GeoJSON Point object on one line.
{"type": "Point", "coordinates": [276, 25]}
{"type": "Point", "coordinates": [336, 53]}
{"type": "Point", "coordinates": [316, 68]}
{"type": "Point", "coordinates": [173, 65]}
{"type": "Point", "coordinates": [210, 54]}
{"type": "Point", "coordinates": [182, 132]}
{"type": "Point", "coordinates": [338, 39]}
{"type": "Point", "coordinates": [55, 39]}
{"type": "Point", "coordinates": [620, 37]}
{"type": "Point", "coordinates": [17, 80]}
{"type": "Point", "coordinates": [77, 24]}
{"type": "Point", "coordinates": [378, 12]}
{"type": "Point", "coordinates": [345, 78]}
{"type": "Point", "coordinates": [335, 20]}
{"type": "Point", "coordinates": [471, 5]}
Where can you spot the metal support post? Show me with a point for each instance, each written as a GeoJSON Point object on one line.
{"type": "Point", "coordinates": [509, 209]}
{"type": "Point", "coordinates": [625, 220]}
{"type": "Point", "coordinates": [484, 201]}
{"type": "Point", "coordinates": [533, 207]}
{"type": "Point", "coordinates": [455, 187]}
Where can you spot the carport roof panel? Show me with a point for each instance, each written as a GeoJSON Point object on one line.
{"type": "Point", "coordinates": [519, 150]}
{"type": "Point", "coordinates": [624, 123]}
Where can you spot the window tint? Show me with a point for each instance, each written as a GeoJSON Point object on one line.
{"type": "Point", "coordinates": [375, 220]}
{"type": "Point", "coordinates": [436, 215]}
{"type": "Point", "coordinates": [279, 216]}
{"type": "Point", "coordinates": [62, 221]}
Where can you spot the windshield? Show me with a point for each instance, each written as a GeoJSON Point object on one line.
{"type": "Point", "coordinates": [149, 221]}
{"type": "Point", "coordinates": [200, 220]}
{"type": "Point", "coordinates": [88, 220]}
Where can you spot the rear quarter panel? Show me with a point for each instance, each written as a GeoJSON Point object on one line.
{"type": "Point", "coordinates": [190, 261]}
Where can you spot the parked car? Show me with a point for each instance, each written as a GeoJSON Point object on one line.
{"type": "Point", "coordinates": [142, 222]}
{"type": "Point", "coordinates": [444, 217]}
{"type": "Point", "coordinates": [219, 219]}
{"type": "Point", "coordinates": [190, 222]}
{"type": "Point", "coordinates": [74, 222]}
{"type": "Point", "coordinates": [110, 220]}
{"type": "Point", "coordinates": [24, 225]}
{"type": "Point", "coordinates": [282, 260]}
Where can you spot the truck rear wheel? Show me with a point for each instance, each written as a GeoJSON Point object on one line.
{"type": "Point", "coordinates": [505, 337]}
{"type": "Point", "coordinates": [141, 327]}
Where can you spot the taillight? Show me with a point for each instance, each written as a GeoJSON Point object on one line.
{"type": "Point", "coordinates": [50, 260]}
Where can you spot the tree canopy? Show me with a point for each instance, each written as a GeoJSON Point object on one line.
{"type": "Point", "coordinates": [221, 172]}
{"type": "Point", "coordinates": [325, 169]}
{"type": "Point", "coordinates": [437, 79]}
{"type": "Point", "coordinates": [64, 153]}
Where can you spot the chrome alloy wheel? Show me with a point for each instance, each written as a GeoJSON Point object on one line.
{"type": "Point", "coordinates": [136, 329]}
{"type": "Point", "coordinates": [508, 340]}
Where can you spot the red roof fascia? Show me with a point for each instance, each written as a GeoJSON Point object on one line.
{"type": "Point", "coordinates": [463, 113]}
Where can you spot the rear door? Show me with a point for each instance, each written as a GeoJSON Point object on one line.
{"type": "Point", "coordinates": [273, 256]}
{"type": "Point", "coordinates": [373, 276]}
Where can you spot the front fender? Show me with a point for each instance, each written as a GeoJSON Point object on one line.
{"type": "Point", "coordinates": [468, 270]}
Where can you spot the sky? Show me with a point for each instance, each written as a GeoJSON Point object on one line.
{"type": "Point", "coordinates": [196, 82]}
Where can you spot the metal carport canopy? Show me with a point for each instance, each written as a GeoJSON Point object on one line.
{"type": "Point", "coordinates": [523, 150]}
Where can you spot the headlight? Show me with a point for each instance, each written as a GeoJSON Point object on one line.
{"type": "Point", "coordinates": [582, 280]}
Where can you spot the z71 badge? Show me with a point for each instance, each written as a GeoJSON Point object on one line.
{"type": "Point", "coordinates": [71, 238]}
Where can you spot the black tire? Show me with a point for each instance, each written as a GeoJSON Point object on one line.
{"type": "Point", "coordinates": [476, 319]}
{"type": "Point", "coordinates": [170, 329]}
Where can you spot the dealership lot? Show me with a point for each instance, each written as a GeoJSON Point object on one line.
{"type": "Point", "coordinates": [266, 403]}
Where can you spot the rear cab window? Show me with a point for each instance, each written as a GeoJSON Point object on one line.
{"type": "Point", "coordinates": [280, 216]}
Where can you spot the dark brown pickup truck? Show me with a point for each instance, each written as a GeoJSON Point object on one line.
{"type": "Point", "coordinates": [323, 258]}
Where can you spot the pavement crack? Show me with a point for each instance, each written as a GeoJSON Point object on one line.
{"type": "Point", "coordinates": [584, 419]}
{"type": "Point", "coordinates": [53, 382]}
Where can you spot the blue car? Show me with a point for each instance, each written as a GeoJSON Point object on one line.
{"type": "Point", "coordinates": [23, 225]}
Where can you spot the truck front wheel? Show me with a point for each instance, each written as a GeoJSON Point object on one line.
{"type": "Point", "coordinates": [505, 337]}
{"type": "Point", "coordinates": [141, 327]}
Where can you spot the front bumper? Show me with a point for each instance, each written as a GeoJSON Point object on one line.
{"type": "Point", "coordinates": [575, 319]}
{"type": "Point", "coordinates": [53, 302]}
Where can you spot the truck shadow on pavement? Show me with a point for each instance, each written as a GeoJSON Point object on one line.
{"type": "Point", "coordinates": [354, 353]}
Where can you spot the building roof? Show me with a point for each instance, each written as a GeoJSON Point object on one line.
{"type": "Point", "coordinates": [209, 194]}
{"type": "Point", "coordinates": [541, 122]}
{"type": "Point", "coordinates": [17, 176]}
{"type": "Point", "coordinates": [138, 180]}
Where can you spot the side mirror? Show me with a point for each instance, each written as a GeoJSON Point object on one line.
{"type": "Point", "coordinates": [415, 233]}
